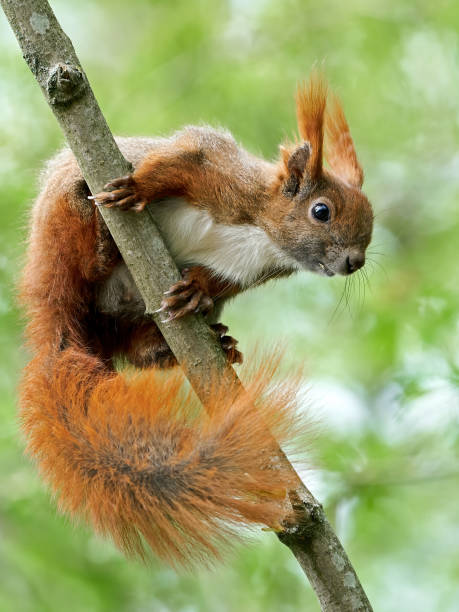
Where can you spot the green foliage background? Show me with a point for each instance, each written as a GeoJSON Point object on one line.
{"type": "Point", "coordinates": [382, 362]}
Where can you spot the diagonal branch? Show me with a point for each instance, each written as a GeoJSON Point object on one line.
{"type": "Point", "coordinates": [52, 59]}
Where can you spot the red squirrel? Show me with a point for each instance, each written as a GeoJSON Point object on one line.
{"type": "Point", "coordinates": [117, 449]}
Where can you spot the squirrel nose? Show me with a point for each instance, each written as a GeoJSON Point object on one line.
{"type": "Point", "coordinates": [354, 261]}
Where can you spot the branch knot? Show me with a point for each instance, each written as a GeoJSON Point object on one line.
{"type": "Point", "coordinates": [66, 83]}
{"type": "Point", "coordinates": [307, 514]}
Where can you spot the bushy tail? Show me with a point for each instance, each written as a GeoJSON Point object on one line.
{"type": "Point", "coordinates": [121, 452]}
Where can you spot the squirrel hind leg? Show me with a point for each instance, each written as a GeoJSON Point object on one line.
{"type": "Point", "coordinates": [147, 347]}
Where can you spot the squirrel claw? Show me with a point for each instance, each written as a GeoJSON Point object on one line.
{"type": "Point", "coordinates": [177, 287]}
{"type": "Point", "coordinates": [122, 181]}
{"type": "Point", "coordinates": [219, 329]}
{"type": "Point", "coordinates": [185, 297]}
{"type": "Point", "coordinates": [120, 193]}
{"type": "Point", "coordinates": [228, 343]}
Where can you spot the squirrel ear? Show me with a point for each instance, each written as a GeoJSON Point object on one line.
{"type": "Point", "coordinates": [298, 160]}
{"type": "Point", "coordinates": [295, 163]}
{"type": "Point", "coordinates": [340, 151]}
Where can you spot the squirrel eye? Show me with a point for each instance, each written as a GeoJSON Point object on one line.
{"type": "Point", "coordinates": [321, 212]}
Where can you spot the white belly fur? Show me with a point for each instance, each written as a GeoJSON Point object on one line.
{"type": "Point", "coordinates": [238, 253]}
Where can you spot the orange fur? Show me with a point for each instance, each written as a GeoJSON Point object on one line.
{"type": "Point", "coordinates": [134, 457]}
{"type": "Point", "coordinates": [124, 453]}
{"type": "Point", "coordinates": [340, 149]}
{"type": "Point", "coordinates": [311, 99]}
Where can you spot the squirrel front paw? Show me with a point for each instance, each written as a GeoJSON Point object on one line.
{"type": "Point", "coordinates": [185, 297]}
{"type": "Point", "coordinates": [120, 193]}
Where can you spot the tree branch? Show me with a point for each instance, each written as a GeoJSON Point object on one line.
{"type": "Point", "coordinates": [52, 59]}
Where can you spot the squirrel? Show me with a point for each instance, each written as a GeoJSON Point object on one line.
{"type": "Point", "coordinates": [118, 449]}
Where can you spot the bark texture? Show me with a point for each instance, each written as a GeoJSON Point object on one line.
{"type": "Point", "coordinates": [53, 61]}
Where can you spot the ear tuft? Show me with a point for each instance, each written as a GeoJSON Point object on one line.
{"type": "Point", "coordinates": [340, 151]}
{"type": "Point", "coordinates": [311, 99]}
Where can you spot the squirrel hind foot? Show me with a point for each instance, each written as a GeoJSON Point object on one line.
{"type": "Point", "coordinates": [147, 351]}
{"type": "Point", "coordinates": [228, 344]}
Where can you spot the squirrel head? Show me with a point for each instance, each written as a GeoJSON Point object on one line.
{"type": "Point", "coordinates": [320, 216]}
